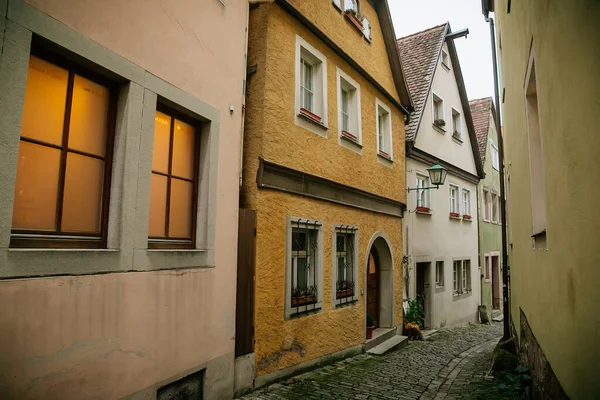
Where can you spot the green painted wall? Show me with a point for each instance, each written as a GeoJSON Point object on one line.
{"type": "Point", "coordinates": [490, 234]}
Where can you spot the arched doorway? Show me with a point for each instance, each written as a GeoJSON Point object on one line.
{"type": "Point", "coordinates": [380, 281]}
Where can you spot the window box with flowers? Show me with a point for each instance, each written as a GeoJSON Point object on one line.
{"type": "Point", "coordinates": [456, 136]}
{"type": "Point", "coordinates": [344, 289]}
{"type": "Point", "coordinates": [440, 123]}
{"type": "Point", "coordinates": [467, 217]}
{"type": "Point", "coordinates": [423, 210]}
{"type": "Point", "coordinates": [304, 296]}
{"type": "Point", "coordinates": [455, 215]}
{"type": "Point", "coordinates": [355, 18]}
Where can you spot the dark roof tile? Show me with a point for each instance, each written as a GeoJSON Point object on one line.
{"type": "Point", "coordinates": [480, 112]}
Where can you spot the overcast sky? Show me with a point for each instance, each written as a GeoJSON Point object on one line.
{"type": "Point", "coordinates": [474, 52]}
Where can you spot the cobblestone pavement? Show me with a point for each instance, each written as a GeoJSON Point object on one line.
{"type": "Point", "coordinates": [451, 364]}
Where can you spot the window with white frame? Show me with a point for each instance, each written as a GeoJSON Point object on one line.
{"type": "Point", "coordinates": [466, 276]}
{"type": "Point", "coordinates": [422, 194]}
{"type": "Point", "coordinates": [337, 3]}
{"type": "Point", "coordinates": [495, 208]}
{"type": "Point", "coordinates": [366, 28]}
{"type": "Point", "coordinates": [453, 197]}
{"type": "Point", "coordinates": [349, 111]}
{"type": "Point", "coordinates": [351, 5]}
{"type": "Point", "coordinates": [346, 265]}
{"type": "Point", "coordinates": [438, 112]}
{"type": "Point", "coordinates": [495, 156]}
{"type": "Point", "coordinates": [466, 200]}
{"type": "Point", "coordinates": [456, 125]}
{"type": "Point", "coordinates": [304, 271]}
{"type": "Point", "coordinates": [439, 273]}
{"type": "Point", "coordinates": [445, 61]}
{"type": "Point", "coordinates": [311, 87]}
{"type": "Point", "coordinates": [486, 205]}
{"type": "Point", "coordinates": [384, 130]}
{"type": "Point", "coordinates": [461, 270]}
{"type": "Point", "coordinates": [455, 274]}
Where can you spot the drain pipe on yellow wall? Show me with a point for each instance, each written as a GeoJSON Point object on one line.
{"type": "Point", "coordinates": [505, 266]}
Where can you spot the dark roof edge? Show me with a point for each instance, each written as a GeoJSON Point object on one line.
{"type": "Point", "coordinates": [429, 159]}
{"type": "Point", "coordinates": [389, 38]}
{"type": "Point", "coordinates": [465, 105]}
{"type": "Point", "coordinates": [290, 9]}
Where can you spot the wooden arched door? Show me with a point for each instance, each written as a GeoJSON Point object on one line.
{"type": "Point", "coordinates": [373, 288]}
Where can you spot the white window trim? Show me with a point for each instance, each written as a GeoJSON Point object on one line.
{"type": "Point", "coordinates": [486, 204]}
{"type": "Point", "coordinates": [425, 179]}
{"type": "Point", "coordinates": [453, 112]}
{"type": "Point", "coordinates": [495, 218]}
{"type": "Point", "coordinates": [290, 223]}
{"type": "Point", "coordinates": [464, 190]}
{"type": "Point", "coordinates": [354, 122]}
{"type": "Point", "coordinates": [443, 278]}
{"type": "Point", "coordinates": [495, 155]}
{"type": "Point", "coordinates": [447, 65]}
{"type": "Point", "coordinates": [458, 200]}
{"type": "Point", "coordinates": [461, 292]}
{"type": "Point", "coordinates": [367, 32]}
{"type": "Point", "coordinates": [342, 302]}
{"type": "Point", "coordinates": [435, 96]}
{"type": "Point", "coordinates": [319, 129]}
{"type": "Point", "coordinates": [380, 104]}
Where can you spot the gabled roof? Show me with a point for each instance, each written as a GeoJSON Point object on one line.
{"type": "Point", "coordinates": [419, 55]}
{"type": "Point", "coordinates": [480, 111]}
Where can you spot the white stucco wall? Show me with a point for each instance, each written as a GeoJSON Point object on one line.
{"type": "Point", "coordinates": [436, 142]}
{"type": "Point", "coordinates": [437, 237]}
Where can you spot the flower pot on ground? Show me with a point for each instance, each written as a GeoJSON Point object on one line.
{"type": "Point", "coordinates": [370, 327]}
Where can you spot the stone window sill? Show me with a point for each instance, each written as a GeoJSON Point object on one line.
{"type": "Point", "coordinates": [424, 212]}
{"type": "Point", "coordinates": [460, 296]}
{"type": "Point", "coordinates": [457, 140]}
{"type": "Point", "coordinates": [439, 129]}
{"type": "Point", "coordinates": [312, 121]}
{"type": "Point", "coordinates": [439, 289]}
{"type": "Point", "coordinates": [348, 139]}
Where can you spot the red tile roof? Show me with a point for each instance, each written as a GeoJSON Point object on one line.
{"type": "Point", "coordinates": [480, 112]}
{"type": "Point", "coordinates": [419, 54]}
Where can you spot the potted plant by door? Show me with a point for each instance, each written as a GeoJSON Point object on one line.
{"type": "Point", "coordinates": [370, 327]}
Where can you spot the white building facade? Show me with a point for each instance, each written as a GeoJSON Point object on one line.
{"type": "Point", "coordinates": [440, 231]}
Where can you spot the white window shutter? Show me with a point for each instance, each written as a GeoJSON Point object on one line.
{"type": "Point", "coordinates": [367, 28]}
{"type": "Point", "coordinates": [337, 3]}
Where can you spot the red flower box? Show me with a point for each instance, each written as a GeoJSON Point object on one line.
{"type": "Point", "coordinates": [384, 154]}
{"type": "Point", "coordinates": [455, 215]}
{"type": "Point", "coordinates": [467, 217]}
{"type": "Point", "coordinates": [340, 294]}
{"type": "Point", "coordinates": [422, 209]}
{"type": "Point", "coordinates": [310, 115]}
{"type": "Point", "coordinates": [302, 300]}
{"type": "Point", "coordinates": [355, 21]}
{"type": "Point", "coordinates": [350, 136]}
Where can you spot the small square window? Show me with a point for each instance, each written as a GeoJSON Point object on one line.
{"type": "Point", "coordinates": [438, 112]}
{"type": "Point", "coordinates": [445, 61]}
{"type": "Point", "coordinates": [456, 124]}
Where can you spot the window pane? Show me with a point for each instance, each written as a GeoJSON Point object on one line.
{"type": "Point", "coordinates": [183, 150]}
{"type": "Point", "coordinates": [158, 206]}
{"type": "Point", "coordinates": [298, 241]}
{"type": "Point", "coordinates": [89, 111]}
{"type": "Point", "coordinates": [82, 203]}
{"type": "Point", "coordinates": [162, 134]}
{"type": "Point", "coordinates": [36, 188]}
{"type": "Point", "coordinates": [180, 213]}
{"type": "Point", "coordinates": [45, 100]}
{"type": "Point", "coordinates": [341, 269]}
{"type": "Point", "coordinates": [301, 273]}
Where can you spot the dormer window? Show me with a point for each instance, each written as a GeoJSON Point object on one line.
{"type": "Point", "coordinates": [445, 61]}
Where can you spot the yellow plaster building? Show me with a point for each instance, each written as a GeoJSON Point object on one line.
{"type": "Point", "coordinates": [324, 170]}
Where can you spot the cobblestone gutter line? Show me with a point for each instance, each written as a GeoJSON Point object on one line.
{"type": "Point", "coordinates": [451, 363]}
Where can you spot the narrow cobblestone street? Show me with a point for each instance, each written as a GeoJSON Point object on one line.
{"type": "Point", "coordinates": [451, 364]}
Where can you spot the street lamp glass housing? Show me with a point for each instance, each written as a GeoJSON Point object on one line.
{"type": "Point", "coordinates": [437, 174]}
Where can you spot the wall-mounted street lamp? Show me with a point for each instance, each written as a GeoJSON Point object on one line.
{"type": "Point", "coordinates": [437, 177]}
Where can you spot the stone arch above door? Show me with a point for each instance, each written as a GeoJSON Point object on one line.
{"type": "Point", "coordinates": [381, 245]}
